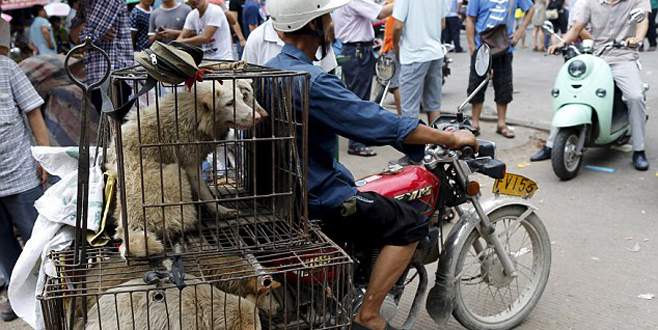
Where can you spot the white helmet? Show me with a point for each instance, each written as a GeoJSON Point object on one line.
{"type": "Point", "coordinates": [292, 15]}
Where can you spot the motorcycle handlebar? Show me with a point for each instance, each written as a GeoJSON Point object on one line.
{"type": "Point", "coordinates": [564, 50]}
{"type": "Point", "coordinates": [467, 152]}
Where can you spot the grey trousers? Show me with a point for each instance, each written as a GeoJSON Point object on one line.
{"type": "Point", "coordinates": [627, 77]}
{"type": "Point", "coordinates": [421, 83]}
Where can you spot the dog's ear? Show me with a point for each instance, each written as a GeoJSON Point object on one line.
{"type": "Point", "coordinates": [208, 96]}
{"type": "Point", "coordinates": [245, 84]}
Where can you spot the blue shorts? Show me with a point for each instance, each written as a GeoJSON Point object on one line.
{"type": "Point", "coordinates": [421, 82]}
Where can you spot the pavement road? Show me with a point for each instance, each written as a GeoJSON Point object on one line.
{"type": "Point", "coordinates": [594, 220]}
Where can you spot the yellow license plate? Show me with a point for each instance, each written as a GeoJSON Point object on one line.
{"type": "Point", "coordinates": [515, 185]}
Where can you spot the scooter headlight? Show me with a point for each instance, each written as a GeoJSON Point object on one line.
{"type": "Point", "coordinates": [577, 69]}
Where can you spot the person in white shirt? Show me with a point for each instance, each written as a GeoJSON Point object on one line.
{"type": "Point", "coordinates": [264, 43]}
{"type": "Point", "coordinates": [207, 26]}
{"type": "Point", "coordinates": [353, 27]}
{"type": "Point", "coordinates": [417, 41]}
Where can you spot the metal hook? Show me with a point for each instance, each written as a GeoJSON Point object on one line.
{"type": "Point", "coordinates": [87, 45]}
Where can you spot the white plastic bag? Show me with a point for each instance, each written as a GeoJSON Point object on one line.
{"type": "Point", "coordinates": [54, 229]}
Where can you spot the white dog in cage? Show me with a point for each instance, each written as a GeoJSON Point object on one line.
{"type": "Point", "coordinates": [197, 306]}
{"type": "Point", "coordinates": [163, 148]}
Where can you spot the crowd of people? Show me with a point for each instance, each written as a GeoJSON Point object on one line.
{"type": "Point", "coordinates": [415, 31]}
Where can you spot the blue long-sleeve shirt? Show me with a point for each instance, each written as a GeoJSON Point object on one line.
{"type": "Point", "coordinates": [333, 111]}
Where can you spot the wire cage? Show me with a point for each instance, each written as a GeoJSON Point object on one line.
{"type": "Point", "coordinates": [211, 225]}
{"type": "Point", "coordinates": [302, 287]}
{"type": "Point", "coordinates": [182, 170]}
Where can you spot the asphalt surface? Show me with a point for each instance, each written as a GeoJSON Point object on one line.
{"type": "Point", "coordinates": [594, 220]}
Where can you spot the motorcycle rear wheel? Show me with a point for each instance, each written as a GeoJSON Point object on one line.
{"type": "Point", "coordinates": [495, 306]}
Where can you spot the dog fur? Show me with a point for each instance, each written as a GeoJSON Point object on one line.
{"type": "Point", "coordinates": [217, 269]}
{"type": "Point", "coordinates": [170, 174]}
{"type": "Point", "coordinates": [197, 306]}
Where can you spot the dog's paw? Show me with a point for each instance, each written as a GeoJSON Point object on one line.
{"type": "Point", "coordinates": [225, 212]}
{"type": "Point", "coordinates": [140, 246]}
{"type": "Point", "coordinates": [221, 212]}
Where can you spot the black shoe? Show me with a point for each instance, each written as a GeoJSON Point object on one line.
{"type": "Point", "coordinates": [640, 161]}
{"type": "Point", "coordinates": [543, 154]}
{"type": "Point", "coordinates": [6, 313]}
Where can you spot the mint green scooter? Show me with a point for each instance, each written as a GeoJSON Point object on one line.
{"type": "Point", "coordinates": [589, 110]}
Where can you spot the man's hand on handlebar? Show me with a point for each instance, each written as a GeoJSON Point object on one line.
{"type": "Point", "coordinates": [633, 42]}
{"type": "Point", "coordinates": [453, 139]}
{"type": "Point", "coordinates": [463, 138]}
{"type": "Point", "coordinates": [553, 49]}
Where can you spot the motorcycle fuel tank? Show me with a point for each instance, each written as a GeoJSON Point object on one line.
{"type": "Point", "coordinates": [413, 184]}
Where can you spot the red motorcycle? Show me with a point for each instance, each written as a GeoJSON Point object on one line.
{"type": "Point", "coordinates": [493, 264]}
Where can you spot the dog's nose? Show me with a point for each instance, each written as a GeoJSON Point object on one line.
{"type": "Point", "coordinates": [257, 116]}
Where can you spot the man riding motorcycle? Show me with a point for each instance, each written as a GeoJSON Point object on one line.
{"type": "Point", "coordinates": [366, 218]}
{"type": "Point", "coordinates": [609, 21]}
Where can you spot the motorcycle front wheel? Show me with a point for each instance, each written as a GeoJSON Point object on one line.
{"type": "Point", "coordinates": [486, 297]}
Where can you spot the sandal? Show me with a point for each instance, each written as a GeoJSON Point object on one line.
{"type": "Point", "coordinates": [506, 132]}
{"type": "Point", "coordinates": [362, 151]}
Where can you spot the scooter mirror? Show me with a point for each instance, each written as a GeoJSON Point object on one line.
{"type": "Point", "coordinates": [548, 27]}
{"type": "Point", "coordinates": [637, 16]}
{"type": "Point", "coordinates": [482, 60]}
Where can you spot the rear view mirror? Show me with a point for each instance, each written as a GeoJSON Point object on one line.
{"type": "Point", "coordinates": [548, 27]}
{"type": "Point", "coordinates": [385, 68]}
{"type": "Point", "coordinates": [637, 16]}
{"type": "Point", "coordinates": [482, 60]}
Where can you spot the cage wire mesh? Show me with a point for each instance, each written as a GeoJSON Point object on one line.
{"type": "Point", "coordinates": [210, 216]}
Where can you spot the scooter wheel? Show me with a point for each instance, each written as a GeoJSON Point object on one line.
{"type": "Point", "coordinates": [564, 157]}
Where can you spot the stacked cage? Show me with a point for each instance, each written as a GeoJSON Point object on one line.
{"type": "Point", "coordinates": [210, 220]}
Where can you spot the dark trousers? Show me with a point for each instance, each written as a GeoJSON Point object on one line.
{"type": "Point", "coordinates": [16, 210]}
{"type": "Point", "coordinates": [651, 34]}
{"type": "Point", "coordinates": [452, 32]}
{"type": "Point", "coordinates": [358, 71]}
